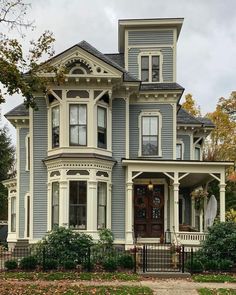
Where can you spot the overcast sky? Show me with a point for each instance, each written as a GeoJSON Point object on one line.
{"type": "Point", "coordinates": [206, 52]}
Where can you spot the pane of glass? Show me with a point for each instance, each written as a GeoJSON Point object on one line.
{"type": "Point", "coordinates": [179, 151]}
{"type": "Point", "coordinates": [146, 124]}
{"type": "Point", "coordinates": [55, 215]}
{"type": "Point", "coordinates": [155, 75]}
{"type": "Point", "coordinates": [153, 126]}
{"type": "Point", "coordinates": [74, 135]}
{"type": "Point", "coordinates": [55, 116]}
{"type": "Point", "coordinates": [144, 75]}
{"type": "Point", "coordinates": [82, 135]}
{"type": "Point", "coordinates": [197, 153]}
{"type": "Point", "coordinates": [55, 136]}
{"type": "Point", "coordinates": [82, 192]}
{"type": "Point", "coordinates": [102, 193]}
{"type": "Point", "coordinates": [55, 193]}
{"type": "Point", "coordinates": [155, 62]}
{"type": "Point", "coordinates": [13, 205]}
{"type": "Point", "coordinates": [82, 114]}
{"type": "Point", "coordinates": [149, 145]}
{"type": "Point", "coordinates": [102, 138]}
{"type": "Point", "coordinates": [101, 217]}
{"type": "Point", "coordinates": [13, 222]}
{"type": "Point", "coordinates": [101, 117]}
{"type": "Point", "coordinates": [145, 62]}
{"type": "Point", "coordinates": [74, 114]}
{"type": "Point", "coordinates": [77, 217]}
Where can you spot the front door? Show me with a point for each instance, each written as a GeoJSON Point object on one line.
{"type": "Point", "coordinates": [149, 211]}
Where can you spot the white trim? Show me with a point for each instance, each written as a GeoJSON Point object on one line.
{"type": "Point", "coordinates": [150, 53]}
{"type": "Point", "coordinates": [150, 113]}
{"type": "Point", "coordinates": [127, 130]}
{"type": "Point", "coordinates": [26, 214]}
{"type": "Point", "coordinates": [77, 68]}
{"type": "Point", "coordinates": [31, 192]}
{"type": "Point", "coordinates": [17, 182]}
{"type": "Point", "coordinates": [181, 197]}
{"type": "Point", "coordinates": [180, 142]}
{"type": "Point", "coordinates": [27, 152]}
{"type": "Point", "coordinates": [174, 129]}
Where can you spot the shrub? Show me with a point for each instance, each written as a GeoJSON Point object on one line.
{"type": "Point", "coordinates": [225, 264]}
{"type": "Point", "coordinates": [110, 264]}
{"type": "Point", "coordinates": [50, 264]}
{"type": "Point", "coordinates": [211, 265]}
{"type": "Point", "coordinates": [64, 244]}
{"type": "Point", "coordinates": [11, 264]}
{"type": "Point", "coordinates": [88, 265]}
{"type": "Point", "coordinates": [196, 266]}
{"type": "Point", "coordinates": [69, 264]}
{"type": "Point", "coordinates": [28, 263]}
{"type": "Point", "coordinates": [106, 238]}
{"type": "Point", "coordinates": [126, 261]}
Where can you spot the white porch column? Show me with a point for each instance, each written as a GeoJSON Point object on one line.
{"type": "Point", "coordinates": [49, 208]}
{"type": "Point", "coordinates": [92, 206]}
{"type": "Point", "coordinates": [222, 202]}
{"type": "Point", "coordinates": [171, 212]}
{"type": "Point", "coordinates": [129, 214]}
{"type": "Point", "coordinates": [109, 205]}
{"type": "Point", "coordinates": [193, 212]}
{"type": "Point", "coordinates": [176, 201]}
{"type": "Point", "coordinates": [64, 204]}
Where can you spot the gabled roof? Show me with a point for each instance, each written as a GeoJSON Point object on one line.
{"type": "Point", "coordinates": [185, 118]}
{"type": "Point", "coordinates": [18, 111]}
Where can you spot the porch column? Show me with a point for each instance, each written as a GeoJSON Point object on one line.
{"type": "Point", "coordinates": [176, 201]}
{"type": "Point", "coordinates": [129, 214]}
{"type": "Point", "coordinates": [192, 212]}
{"type": "Point", "coordinates": [222, 202]}
{"type": "Point", "coordinates": [92, 206]}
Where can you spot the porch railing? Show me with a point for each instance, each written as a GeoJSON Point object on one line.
{"type": "Point", "coordinates": [191, 238]}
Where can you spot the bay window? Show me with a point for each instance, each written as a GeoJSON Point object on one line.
{"type": "Point", "coordinates": [78, 205]}
{"type": "Point", "coordinates": [150, 135]}
{"type": "Point", "coordinates": [13, 214]}
{"type": "Point", "coordinates": [55, 204]}
{"type": "Point", "coordinates": [102, 127]}
{"type": "Point", "coordinates": [78, 124]}
{"type": "Point", "coordinates": [55, 127]}
{"type": "Point", "coordinates": [102, 205]}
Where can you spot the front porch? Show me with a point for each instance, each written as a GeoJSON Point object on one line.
{"type": "Point", "coordinates": [159, 207]}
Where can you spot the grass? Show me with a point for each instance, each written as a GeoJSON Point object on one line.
{"type": "Point", "coordinates": [218, 278]}
{"type": "Point", "coordinates": [6, 289]}
{"type": "Point", "coordinates": [56, 276]}
{"type": "Point", "coordinates": [206, 291]}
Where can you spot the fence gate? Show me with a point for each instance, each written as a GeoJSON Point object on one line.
{"type": "Point", "coordinates": [163, 258]}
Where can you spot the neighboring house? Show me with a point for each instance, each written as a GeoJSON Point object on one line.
{"type": "Point", "coordinates": [111, 147]}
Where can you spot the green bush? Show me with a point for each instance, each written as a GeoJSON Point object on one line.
{"type": "Point", "coordinates": [88, 265]}
{"type": "Point", "coordinates": [69, 264]}
{"type": "Point", "coordinates": [126, 261]}
{"type": "Point", "coordinates": [110, 264]}
{"type": "Point", "coordinates": [212, 265]}
{"type": "Point", "coordinates": [64, 244]}
{"type": "Point", "coordinates": [28, 263]}
{"type": "Point", "coordinates": [225, 265]}
{"type": "Point", "coordinates": [11, 264]}
{"type": "Point", "coordinates": [50, 264]}
{"type": "Point", "coordinates": [196, 266]}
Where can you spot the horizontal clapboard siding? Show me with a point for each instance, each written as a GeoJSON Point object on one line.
{"type": "Point", "coordinates": [166, 111]}
{"type": "Point", "coordinates": [186, 141]}
{"type": "Point", "coordinates": [23, 180]}
{"type": "Point", "coordinates": [118, 173]}
{"type": "Point", "coordinates": [39, 170]}
{"type": "Point", "coordinates": [167, 67]}
{"type": "Point", "coordinates": [150, 37]}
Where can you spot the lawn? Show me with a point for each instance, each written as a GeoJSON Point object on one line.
{"type": "Point", "coordinates": [56, 276]}
{"type": "Point", "coordinates": [218, 278]}
{"type": "Point", "coordinates": [66, 289]}
{"type": "Point", "coordinates": [206, 291]}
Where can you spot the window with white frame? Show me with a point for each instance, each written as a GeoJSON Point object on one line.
{"type": "Point", "coordinates": [55, 204]}
{"type": "Point", "coordinates": [78, 205]}
{"type": "Point", "coordinates": [55, 127]}
{"type": "Point", "coordinates": [27, 215]}
{"type": "Point", "coordinates": [179, 151]}
{"type": "Point", "coordinates": [13, 214]}
{"type": "Point", "coordinates": [102, 127]}
{"type": "Point", "coordinates": [197, 153]}
{"type": "Point", "coordinates": [150, 67]}
{"type": "Point", "coordinates": [150, 135]}
{"type": "Point", "coordinates": [102, 204]}
{"type": "Point", "coordinates": [78, 124]}
{"type": "Point", "coordinates": [27, 146]}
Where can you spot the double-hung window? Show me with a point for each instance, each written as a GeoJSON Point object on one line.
{"type": "Point", "coordinates": [78, 124]}
{"type": "Point", "coordinates": [150, 135]}
{"type": "Point", "coordinates": [102, 127]}
{"type": "Point", "coordinates": [55, 127]}
{"type": "Point", "coordinates": [102, 204]}
{"type": "Point", "coordinates": [55, 204]}
{"type": "Point", "coordinates": [13, 214]}
{"type": "Point", "coordinates": [179, 151]}
{"type": "Point", "coordinates": [150, 68]}
{"type": "Point", "coordinates": [78, 205]}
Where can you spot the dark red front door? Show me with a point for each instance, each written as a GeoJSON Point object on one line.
{"type": "Point", "coordinates": [149, 211]}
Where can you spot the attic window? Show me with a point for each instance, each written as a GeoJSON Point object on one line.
{"type": "Point", "coordinates": [150, 64]}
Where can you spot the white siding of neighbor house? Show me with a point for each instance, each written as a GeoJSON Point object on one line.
{"type": "Point", "coordinates": [118, 172]}
{"type": "Point", "coordinates": [39, 169]}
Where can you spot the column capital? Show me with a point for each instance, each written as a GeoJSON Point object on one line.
{"type": "Point", "coordinates": [176, 186]}
{"type": "Point", "coordinates": [129, 185]}
{"type": "Point", "coordinates": [222, 186]}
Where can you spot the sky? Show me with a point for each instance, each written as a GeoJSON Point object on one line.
{"type": "Point", "coordinates": [206, 51]}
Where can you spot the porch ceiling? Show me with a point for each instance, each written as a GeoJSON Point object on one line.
{"type": "Point", "coordinates": [195, 179]}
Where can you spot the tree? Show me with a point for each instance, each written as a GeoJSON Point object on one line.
{"type": "Point", "coordinates": [190, 105]}
{"type": "Point", "coordinates": [7, 160]}
{"type": "Point", "coordinates": [19, 70]}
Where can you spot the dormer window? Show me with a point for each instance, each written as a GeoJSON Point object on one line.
{"type": "Point", "coordinates": [150, 67]}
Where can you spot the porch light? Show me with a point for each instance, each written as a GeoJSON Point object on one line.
{"type": "Point", "coordinates": [150, 186]}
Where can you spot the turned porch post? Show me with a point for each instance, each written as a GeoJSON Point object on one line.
{"type": "Point", "coordinates": [176, 201]}
{"type": "Point", "coordinates": [129, 210]}
{"type": "Point", "coordinates": [222, 197]}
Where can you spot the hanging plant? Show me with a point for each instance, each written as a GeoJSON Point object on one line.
{"type": "Point", "coordinates": [199, 195]}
